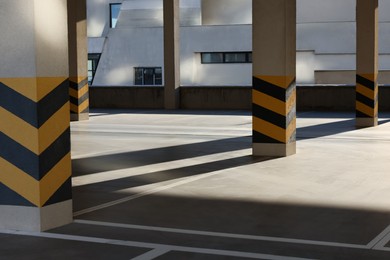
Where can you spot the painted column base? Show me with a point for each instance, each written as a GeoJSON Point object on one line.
{"type": "Point", "coordinates": [366, 122]}
{"type": "Point", "coordinates": [278, 150]}
{"type": "Point", "coordinates": [36, 219]}
{"type": "Point", "coordinates": [79, 117]}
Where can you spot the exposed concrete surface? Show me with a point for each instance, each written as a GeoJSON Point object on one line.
{"type": "Point", "coordinates": [183, 185]}
{"type": "Point", "coordinates": [309, 97]}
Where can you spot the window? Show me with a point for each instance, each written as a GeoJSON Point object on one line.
{"type": "Point", "coordinates": [212, 57]}
{"type": "Point", "coordinates": [93, 60]}
{"type": "Point", "coordinates": [148, 76]}
{"type": "Point", "coordinates": [114, 14]}
{"type": "Point", "coordinates": [226, 57]}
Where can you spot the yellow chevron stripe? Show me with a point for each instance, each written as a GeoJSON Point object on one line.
{"type": "Point", "coordinates": [20, 182]}
{"type": "Point", "coordinates": [53, 127]}
{"type": "Point", "coordinates": [33, 88]}
{"type": "Point", "coordinates": [370, 76]}
{"type": "Point", "coordinates": [73, 108]}
{"type": "Point", "coordinates": [47, 85]}
{"type": "Point", "coordinates": [84, 105]}
{"type": "Point", "coordinates": [280, 81]}
{"type": "Point", "coordinates": [20, 131]}
{"type": "Point", "coordinates": [366, 109]}
{"type": "Point", "coordinates": [269, 102]}
{"type": "Point", "coordinates": [37, 192]}
{"type": "Point", "coordinates": [36, 140]}
{"type": "Point", "coordinates": [78, 93]}
{"type": "Point", "coordinates": [54, 179]}
{"type": "Point", "coordinates": [366, 91]}
{"type": "Point", "coordinates": [270, 130]}
{"type": "Point", "coordinates": [77, 79]}
{"type": "Point", "coordinates": [78, 109]}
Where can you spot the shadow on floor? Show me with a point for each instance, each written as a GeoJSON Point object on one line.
{"type": "Point", "coordinates": [332, 128]}
{"type": "Point", "coordinates": [238, 215]}
{"type": "Point", "coordinates": [158, 155]}
{"type": "Point", "coordinates": [321, 130]}
{"type": "Point", "coordinates": [98, 191]}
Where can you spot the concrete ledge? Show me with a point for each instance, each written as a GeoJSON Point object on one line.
{"type": "Point", "coordinates": [309, 97]}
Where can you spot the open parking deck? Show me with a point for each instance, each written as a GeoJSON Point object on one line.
{"type": "Point", "coordinates": [184, 185]}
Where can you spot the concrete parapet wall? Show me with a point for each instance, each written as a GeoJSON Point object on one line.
{"type": "Point", "coordinates": [127, 97]}
{"type": "Point", "coordinates": [216, 97]}
{"type": "Point", "coordinates": [309, 98]}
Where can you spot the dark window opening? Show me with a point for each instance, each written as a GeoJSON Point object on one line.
{"type": "Point", "coordinates": [226, 57]}
{"type": "Point", "coordinates": [93, 61]}
{"type": "Point", "coordinates": [148, 76]}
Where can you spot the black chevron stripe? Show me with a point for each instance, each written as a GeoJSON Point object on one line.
{"type": "Point", "coordinates": [365, 82]}
{"type": "Point", "coordinates": [86, 110]}
{"type": "Point", "coordinates": [36, 114]}
{"type": "Point", "coordinates": [79, 101]}
{"type": "Point", "coordinates": [54, 153]}
{"type": "Point", "coordinates": [52, 102]}
{"type": "Point", "coordinates": [272, 117]}
{"type": "Point", "coordinates": [365, 100]}
{"type": "Point", "coordinates": [269, 116]}
{"type": "Point", "coordinates": [11, 198]}
{"type": "Point", "coordinates": [63, 193]}
{"type": "Point", "coordinates": [18, 105]}
{"type": "Point", "coordinates": [269, 89]}
{"type": "Point", "coordinates": [77, 86]}
{"type": "Point", "coordinates": [33, 165]}
{"type": "Point", "coordinates": [258, 137]}
{"type": "Point", "coordinates": [362, 115]}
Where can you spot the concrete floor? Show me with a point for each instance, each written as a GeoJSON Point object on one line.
{"type": "Point", "coordinates": [183, 185]}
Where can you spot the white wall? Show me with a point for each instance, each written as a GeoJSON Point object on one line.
{"type": "Point", "coordinates": [326, 39]}
{"type": "Point", "coordinates": [224, 12]}
{"type": "Point", "coordinates": [142, 47]}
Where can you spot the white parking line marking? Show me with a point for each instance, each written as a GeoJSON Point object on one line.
{"type": "Point", "coordinates": [152, 254]}
{"type": "Point", "coordinates": [184, 180]}
{"type": "Point", "coordinates": [224, 235]}
{"type": "Point", "coordinates": [380, 239]}
{"type": "Point", "coordinates": [195, 250]}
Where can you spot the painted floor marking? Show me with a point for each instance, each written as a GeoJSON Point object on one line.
{"type": "Point", "coordinates": [379, 239]}
{"type": "Point", "coordinates": [184, 180]}
{"type": "Point", "coordinates": [152, 254]}
{"type": "Point", "coordinates": [224, 235]}
{"type": "Point", "coordinates": [159, 247]}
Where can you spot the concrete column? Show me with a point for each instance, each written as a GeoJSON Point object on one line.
{"type": "Point", "coordinates": [35, 166]}
{"type": "Point", "coordinates": [78, 60]}
{"type": "Point", "coordinates": [274, 91]}
{"type": "Point", "coordinates": [171, 54]}
{"type": "Point", "coordinates": [367, 63]}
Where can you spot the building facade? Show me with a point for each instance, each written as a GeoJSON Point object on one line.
{"type": "Point", "coordinates": [126, 42]}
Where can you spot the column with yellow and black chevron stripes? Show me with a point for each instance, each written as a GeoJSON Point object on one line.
{"type": "Point", "coordinates": [35, 162]}
{"type": "Point", "coordinates": [78, 56]}
{"type": "Point", "coordinates": [367, 63]}
{"type": "Point", "coordinates": [274, 90]}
